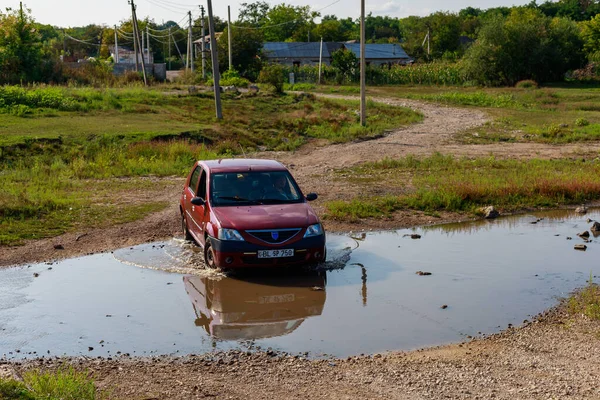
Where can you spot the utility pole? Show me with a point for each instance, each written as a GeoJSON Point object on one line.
{"type": "Point", "coordinates": [64, 44]}
{"type": "Point", "coordinates": [320, 60]}
{"type": "Point", "coordinates": [116, 46]}
{"type": "Point", "coordinates": [148, 41]}
{"type": "Point", "coordinates": [190, 56]}
{"type": "Point", "coordinates": [428, 42]}
{"type": "Point", "coordinates": [136, 32]}
{"type": "Point", "coordinates": [363, 66]}
{"type": "Point", "coordinates": [229, 37]}
{"type": "Point", "coordinates": [192, 45]}
{"type": "Point", "coordinates": [203, 44]}
{"type": "Point", "coordinates": [169, 40]}
{"type": "Point", "coordinates": [135, 42]}
{"type": "Point", "coordinates": [215, 60]}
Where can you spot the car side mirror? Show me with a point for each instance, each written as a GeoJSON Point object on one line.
{"type": "Point", "coordinates": [198, 201]}
{"type": "Point", "coordinates": [312, 196]}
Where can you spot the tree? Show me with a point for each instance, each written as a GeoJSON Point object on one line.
{"type": "Point", "coordinates": [590, 33]}
{"type": "Point", "coordinates": [524, 45]}
{"type": "Point", "coordinates": [246, 49]}
{"type": "Point", "coordinates": [345, 62]}
{"type": "Point", "coordinates": [331, 31]}
{"type": "Point", "coordinates": [253, 14]}
{"type": "Point", "coordinates": [289, 23]}
{"type": "Point", "coordinates": [21, 53]}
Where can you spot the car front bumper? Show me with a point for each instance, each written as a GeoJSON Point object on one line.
{"type": "Point", "coordinates": [232, 254]}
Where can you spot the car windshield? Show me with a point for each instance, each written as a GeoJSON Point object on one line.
{"type": "Point", "coordinates": [251, 188]}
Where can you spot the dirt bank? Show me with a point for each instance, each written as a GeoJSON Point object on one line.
{"type": "Point", "coordinates": [554, 357]}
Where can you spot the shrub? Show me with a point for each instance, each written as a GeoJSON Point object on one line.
{"type": "Point", "coordinates": [527, 84]}
{"type": "Point", "coordinates": [232, 78]}
{"type": "Point", "coordinates": [582, 122]}
{"type": "Point", "coordinates": [273, 75]}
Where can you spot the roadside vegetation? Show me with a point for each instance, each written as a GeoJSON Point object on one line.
{"type": "Point", "coordinates": [586, 301]}
{"type": "Point", "coordinates": [552, 114]}
{"type": "Point", "coordinates": [446, 183]}
{"type": "Point", "coordinates": [66, 153]}
{"type": "Point", "coordinates": [65, 384]}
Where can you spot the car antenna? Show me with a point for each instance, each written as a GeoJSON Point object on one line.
{"type": "Point", "coordinates": [243, 152]}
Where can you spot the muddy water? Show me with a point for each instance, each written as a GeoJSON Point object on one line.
{"type": "Point", "coordinates": [157, 299]}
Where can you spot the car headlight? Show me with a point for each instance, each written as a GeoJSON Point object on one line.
{"type": "Point", "coordinates": [230, 234]}
{"type": "Point", "coordinates": [314, 230]}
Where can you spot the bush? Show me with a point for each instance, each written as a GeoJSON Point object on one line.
{"type": "Point", "coordinates": [527, 84]}
{"type": "Point", "coordinates": [232, 78]}
{"type": "Point", "coordinates": [273, 75]}
{"type": "Point", "coordinates": [582, 122]}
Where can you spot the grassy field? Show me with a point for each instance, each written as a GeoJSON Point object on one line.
{"type": "Point", "coordinates": [66, 384]}
{"type": "Point", "coordinates": [445, 183]}
{"type": "Point", "coordinates": [554, 114]}
{"type": "Point", "coordinates": [62, 149]}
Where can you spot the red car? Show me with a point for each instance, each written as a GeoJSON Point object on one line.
{"type": "Point", "coordinates": [250, 213]}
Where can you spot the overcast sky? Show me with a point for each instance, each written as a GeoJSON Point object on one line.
{"type": "Point", "coordinates": [67, 13]}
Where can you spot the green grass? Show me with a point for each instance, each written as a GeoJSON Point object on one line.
{"type": "Point", "coordinates": [65, 384]}
{"type": "Point", "coordinates": [586, 301]}
{"type": "Point", "coordinates": [73, 145]}
{"type": "Point", "coordinates": [544, 115]}
{"type": "Point", "coordinates": [445, 183]}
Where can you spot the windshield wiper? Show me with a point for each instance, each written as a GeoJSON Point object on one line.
{"type": "Point", "coordinates": [237, 199]}
{"type": "Point", "coordinates": [282, 201]}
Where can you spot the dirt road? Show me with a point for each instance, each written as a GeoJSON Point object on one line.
{"type": "Point", "coordinates": [553, 358]}
{"type": "Point", "coordinates": [313, 167]}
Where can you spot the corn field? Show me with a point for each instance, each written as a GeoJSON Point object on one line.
{"type": "Point", "coordinates": [442, 74]}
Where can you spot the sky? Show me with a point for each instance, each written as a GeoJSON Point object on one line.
{"type": "Point", "coordinates": [68, 13]}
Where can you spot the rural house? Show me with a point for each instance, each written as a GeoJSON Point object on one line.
{"type": "Point", "coordinates": [381, 54]}
{"type": "Point", "coordinates": [299, 54]}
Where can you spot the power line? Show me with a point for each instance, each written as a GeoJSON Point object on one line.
{"type": "Point", "coordinates": [164, 7]}
{"type": "Point", "coordinates": [283, 23]}
{"type": "Point", "coordinates": [178, 4]}
{"type": "Point", "coordinates": [82, 41]}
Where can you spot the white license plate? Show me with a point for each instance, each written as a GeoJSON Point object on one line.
{"type": "Point", "coordinates": [276, 253]}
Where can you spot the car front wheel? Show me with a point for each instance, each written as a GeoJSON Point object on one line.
{"type": "Point", "coordinates": [209, 255]}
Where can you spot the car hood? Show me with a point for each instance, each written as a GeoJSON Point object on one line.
{"type": "Point", "coordinates": [271, 216]}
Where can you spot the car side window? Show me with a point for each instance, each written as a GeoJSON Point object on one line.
{"type": "Point", "coordinates": [202, 187]}
{"type": "Point", "coordinates": [194, 180]}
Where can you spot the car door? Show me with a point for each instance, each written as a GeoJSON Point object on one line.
{"type": "Point", "coordinates": [189, 193]}
{"type": "Point", "coordinates": [200, 214]}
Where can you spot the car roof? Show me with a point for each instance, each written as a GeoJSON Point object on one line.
{"type": "Point", "coordinates": [242, 165]}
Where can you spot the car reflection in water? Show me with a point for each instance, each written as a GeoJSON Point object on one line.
{"type": "Point", "coordinates": [255, 307]}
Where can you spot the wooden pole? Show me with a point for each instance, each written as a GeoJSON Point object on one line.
{"type": "Point", "coordinates": [137, 38]}
{"type": "Point", "coordinates": [203, 44]}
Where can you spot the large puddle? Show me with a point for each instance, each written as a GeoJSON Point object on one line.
{"type": "Point", "coordinates": [156, 298]}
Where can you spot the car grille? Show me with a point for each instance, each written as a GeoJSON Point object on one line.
{"type": "Point", "coordinates": [275, 236]}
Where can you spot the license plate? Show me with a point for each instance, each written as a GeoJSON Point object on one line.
{"type": "Point", "coordinates": [276, 299]}
{"type": "Point", "coordinates": [276, 253]}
